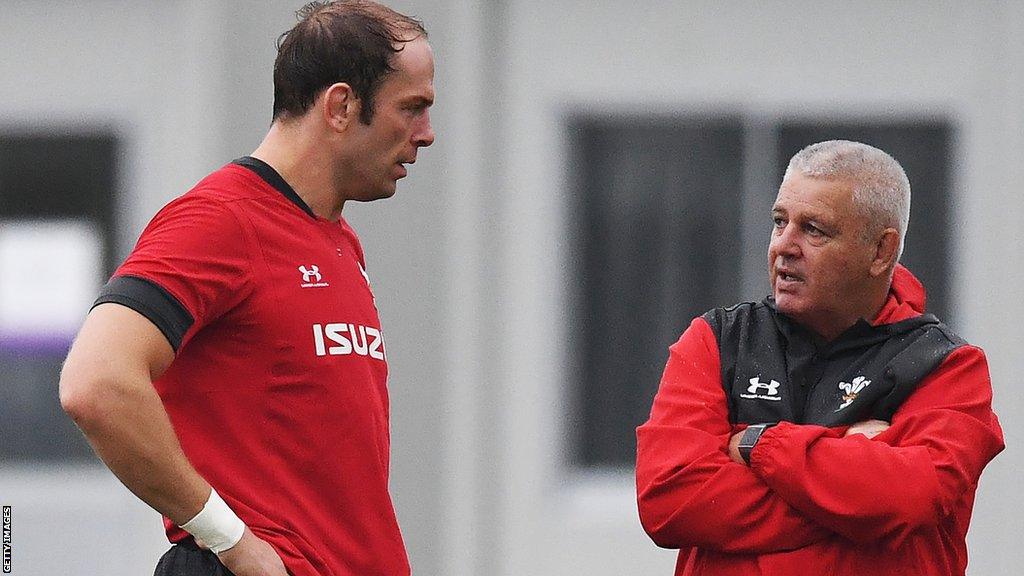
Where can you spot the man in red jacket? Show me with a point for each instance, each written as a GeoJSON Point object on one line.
{"type": "Point", "coordinates": [835, 427]}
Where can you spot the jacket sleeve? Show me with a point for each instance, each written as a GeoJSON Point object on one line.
{"type": "Point", "coordinates": [689, 493]}
{"type": "Point", "coordinates": [911, 475]}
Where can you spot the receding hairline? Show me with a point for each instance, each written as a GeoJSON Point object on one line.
{"type": "Point", "coordinates": [880, 186]}
{"type": "Point", "coordinates": [366, 35]}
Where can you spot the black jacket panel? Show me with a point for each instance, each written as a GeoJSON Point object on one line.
{"type": "Point", "coordinates": [774, 370]}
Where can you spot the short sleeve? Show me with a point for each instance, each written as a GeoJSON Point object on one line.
{"type": "Point", "coordinates": [195, 255]}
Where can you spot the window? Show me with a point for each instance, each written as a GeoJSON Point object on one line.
{"type": "Point", "coordinates": [56, 223]}
{"type": "Point", "coordinates": [654, 241]}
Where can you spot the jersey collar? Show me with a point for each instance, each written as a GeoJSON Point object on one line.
{"type": "Point", "coordinates": [271, 177]}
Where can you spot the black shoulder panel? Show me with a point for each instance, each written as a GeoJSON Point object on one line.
{"type": "Point", "coordinates": [773, 371]}
{"type": "Point", "coordinates": [872, 382]}
{"type": "Point", "coordinates": [752, 356]}
{"type": "Point", "coordinates": [913, 364]}
{"type": "Point", "coordinates": [153, 302]}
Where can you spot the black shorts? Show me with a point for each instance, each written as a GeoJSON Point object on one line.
{"type": "Point", "coordinates": [187, 559]}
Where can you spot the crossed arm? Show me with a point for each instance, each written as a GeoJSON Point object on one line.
{"type": "Point", "coordinates": [868, 428]}
{"type": "Point", "coordinates": [690, 493]}
{"type": "Point", "coordinates": [806, 483]}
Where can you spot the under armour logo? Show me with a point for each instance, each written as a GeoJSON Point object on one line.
{"type": "Point", "coordinates": [761, 390]}
{"type": "Point", "coordinates": [312, 274]}
{"type": "Point", "coordinates": [852, 389]}
{"type": "Point", "coordinates": [755, 384]}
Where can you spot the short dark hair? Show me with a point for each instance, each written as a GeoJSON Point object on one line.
{"type": "Point", "coordinates": [351, 41]}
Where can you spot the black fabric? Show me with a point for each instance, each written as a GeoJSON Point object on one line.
{"type": "Point", "coordinates": [187, 559]}
{"type": "Point", "coordinates": [270, 176]}
{"type": "Point", "coordinates": [153, 302]}
{"type": "Point", "coordinates": [773, 370]}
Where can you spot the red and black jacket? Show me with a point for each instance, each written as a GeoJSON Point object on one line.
{"type": "Point", "coordinates": [773, 370]}
{"type": "Point", "coordinates": [813, 501]}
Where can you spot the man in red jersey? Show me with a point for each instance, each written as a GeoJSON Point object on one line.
{"type": "Point", "coordinates": [232, 373]}
{"type": "Point", "coordinates": [834, 428]}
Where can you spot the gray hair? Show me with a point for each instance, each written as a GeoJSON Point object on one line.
{"type": "Point", "coordinates": [880, 186]}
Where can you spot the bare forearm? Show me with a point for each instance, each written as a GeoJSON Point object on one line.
{"type": "Point", "coordinates": [106, 386]}
{"type": "Point", "coordinates": [129, 429]}
{"type": "Point", "coordinates": [131, 433]}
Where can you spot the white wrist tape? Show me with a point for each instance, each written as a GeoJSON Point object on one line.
{"type": "Point", "coordinates": [216, 525]}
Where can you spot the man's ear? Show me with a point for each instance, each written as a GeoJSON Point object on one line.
{"type": "Point", "coordinates": [886, 250]}
{"type": "Point", "coordinates": [340, 106]}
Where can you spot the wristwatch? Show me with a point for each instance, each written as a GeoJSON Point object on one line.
{"type": "Point", "coordinates": [750, 437]}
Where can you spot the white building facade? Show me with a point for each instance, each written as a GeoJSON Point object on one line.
{"type": "Point", "coordinates": [472, 262]}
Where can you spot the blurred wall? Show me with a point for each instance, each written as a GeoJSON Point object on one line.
{"type": "Point", "coordinates": [468, 260]}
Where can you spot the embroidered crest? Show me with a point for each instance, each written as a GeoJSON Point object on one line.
{"type": "Point", "coordinates": [852, 389]}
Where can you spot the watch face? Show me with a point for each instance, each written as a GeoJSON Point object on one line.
{"type": "Point", "coordinates": [750, 435]}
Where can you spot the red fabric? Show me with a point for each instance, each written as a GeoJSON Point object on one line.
{"type": "Point", "coordinates": [813, 502]}
{"type": "Point", "coordinates": [294, 440]}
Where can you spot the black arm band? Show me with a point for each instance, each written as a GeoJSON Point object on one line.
{"type": "Point", "coordinates": [153, 302]}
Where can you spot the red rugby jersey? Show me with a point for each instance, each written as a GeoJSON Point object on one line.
{"type": "Point", "coordinates": [278, 388]}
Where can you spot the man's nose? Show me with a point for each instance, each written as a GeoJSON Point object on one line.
{"type": "Point", "coordinates": [785, 242]}
{"type": "Point", "coordinates": [424, 136]}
